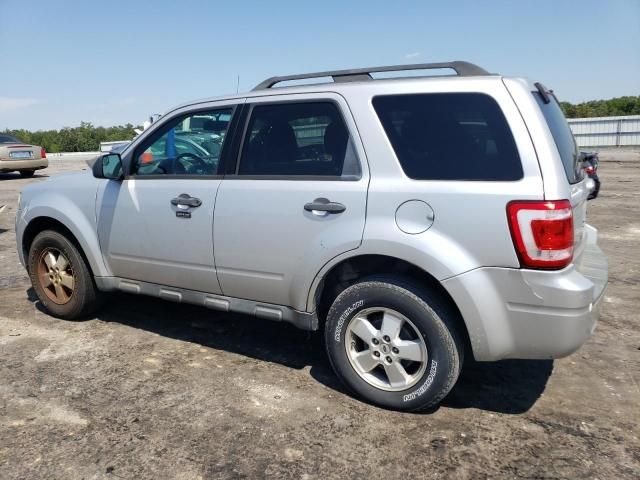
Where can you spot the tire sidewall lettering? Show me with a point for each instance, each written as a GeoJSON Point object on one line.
{"type": "Point", "coordinates": [435, 382]}
{"type": "Point", "coordinates": [425, 385]}
{"type": "Point", "coordinates": [341, 321]}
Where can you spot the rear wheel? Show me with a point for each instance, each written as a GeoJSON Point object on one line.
{"type": "Point", "coordinates": [61, 277]}
{"type": "Point", "coordinates": [27, 173]}
{"type": "Point", "coordinates": [394, 344]}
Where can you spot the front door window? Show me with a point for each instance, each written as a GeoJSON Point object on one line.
{"type": "Point", "coordinates": [187, 146]}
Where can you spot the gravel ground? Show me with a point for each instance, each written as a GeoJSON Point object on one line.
{"type": "Point", "coordinates": [154, 390]}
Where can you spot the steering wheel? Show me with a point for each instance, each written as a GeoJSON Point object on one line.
{"type": "Point", "coordinates": [198, 162]}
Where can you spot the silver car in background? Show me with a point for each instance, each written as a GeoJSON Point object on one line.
{"type": "Point", "coordinates": [414, 220]}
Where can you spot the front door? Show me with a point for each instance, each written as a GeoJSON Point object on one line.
{"type": "Point", "coordinates": [296, 200]}
{"type": "Point", "coordinates": [157, 224]}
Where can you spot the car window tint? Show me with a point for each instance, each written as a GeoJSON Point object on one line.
{"type": "Point", "coordinates": [449, 136]}
{"type": "Point", "coordinates": [188, 146]}
{"type": "Point", "coordinates": [300, 139]}
{"type": "Point", "coordinates": [562, 136]}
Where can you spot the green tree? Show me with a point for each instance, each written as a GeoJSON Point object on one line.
{"type": "Point", "coordinates": [602, 108]}
{"type": "Point", "coordinates": [83, 138]}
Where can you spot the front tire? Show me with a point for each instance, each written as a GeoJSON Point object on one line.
{"type": "Point", "coordinates": [394, 344]}
{"type": "Point", "coordinates": [60, 276]}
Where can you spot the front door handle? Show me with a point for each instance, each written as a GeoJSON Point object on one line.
{"type": "Point", "coordinates": [186, 200]}
{"type": "Point", "coordinates": [324, 205]}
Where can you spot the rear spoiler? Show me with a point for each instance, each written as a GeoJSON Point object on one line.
{"type": "Point", "coordinates": [544, 92]}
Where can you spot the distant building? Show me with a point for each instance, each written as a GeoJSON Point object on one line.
{"type": "Point", "coordinates": [117, 145]}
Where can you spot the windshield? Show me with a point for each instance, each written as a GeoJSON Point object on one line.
{"type": "Point", "coordinates": [562, 137]}
{"type": "Point", "coordinates": [8, 139]}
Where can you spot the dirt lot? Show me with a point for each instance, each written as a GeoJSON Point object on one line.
{"type": "Point", "coordinates": [156, 390]}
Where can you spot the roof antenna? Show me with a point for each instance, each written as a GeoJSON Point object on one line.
{"type": "Point", "coordinates": [238, 84]}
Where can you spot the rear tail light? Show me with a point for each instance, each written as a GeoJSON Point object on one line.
{"type": "Point", "coordinates": [542, 232]}
{"type": "Point", "coordinates": [43, 153]}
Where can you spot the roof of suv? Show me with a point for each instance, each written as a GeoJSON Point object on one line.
{"type": "Point", "coordinates": [462, 69]}
{"type": "Point", "coordinates": [352, 77]}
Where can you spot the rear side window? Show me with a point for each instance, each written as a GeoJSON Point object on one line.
{"type": "Point", "coordinates": [562, 136]}
{"type": "Point", "coordinates": [308, 139]}
{"type": "Point", "coordinates": [450, 136]}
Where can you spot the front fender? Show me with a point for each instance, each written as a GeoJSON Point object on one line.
{"type": "Point", "coordinates": [80, 221]}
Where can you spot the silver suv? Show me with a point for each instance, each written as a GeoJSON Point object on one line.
{"type": "Point", "coordinates": [414, 220]}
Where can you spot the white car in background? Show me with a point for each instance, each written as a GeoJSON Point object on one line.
{"type": "Point", "coordinates": [16, 156]}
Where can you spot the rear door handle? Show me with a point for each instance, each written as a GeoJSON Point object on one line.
{"type": "Point", "coordinates": [186, 200]}
{"type": "Point", "coordinates": [324, 205]}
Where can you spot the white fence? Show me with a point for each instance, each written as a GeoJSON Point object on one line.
{"type": "Point", "coordinates": [71, 157]}
{"type": "Point", "coordinates": [606, 131]}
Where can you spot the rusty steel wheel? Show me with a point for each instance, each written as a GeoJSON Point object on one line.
{"type": "Point", "coordinates": [61, 277]}
{"type": "Point", "coordinates": [56, 276]}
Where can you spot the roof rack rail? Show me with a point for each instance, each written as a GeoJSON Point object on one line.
{"type": "Point", "coordinates": [462, 69]}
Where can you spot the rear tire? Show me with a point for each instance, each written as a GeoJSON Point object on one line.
{"type": "Point", "coordinates": [61, 278]}
{"type": "Point", "coordinates": [27, 173]}
{"type": "Point", "coordinates": [413, 370]}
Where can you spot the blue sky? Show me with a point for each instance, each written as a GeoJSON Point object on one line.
{"type": "Point", "coordinates": [112, 62]}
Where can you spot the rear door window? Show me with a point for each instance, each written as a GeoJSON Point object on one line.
{"type": "Point", "coordinates": [450, 136]}
{"type": "Point", "coordinates": [307, 139]}
{"type": "Point", "coordinates": [562, 136]}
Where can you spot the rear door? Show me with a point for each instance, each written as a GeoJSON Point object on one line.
{"type": "Point", "coordinates": [296, 199]}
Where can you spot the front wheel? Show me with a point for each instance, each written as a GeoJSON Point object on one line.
{"type": "Point", "coordinates": [394, 344]}
{"type": "Point", "coordinates": [60, 276]}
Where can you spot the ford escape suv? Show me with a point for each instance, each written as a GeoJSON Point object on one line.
{"type": "Point", "coordinates": [413, 220]}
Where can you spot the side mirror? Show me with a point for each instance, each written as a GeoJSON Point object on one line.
{"type": "Point", "coordinates": [108, 166]}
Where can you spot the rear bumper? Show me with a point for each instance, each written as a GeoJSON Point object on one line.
{"type": "Point", "coordinates": [29, 164]}
{"type": "Point", "coordinates": [531, 314]}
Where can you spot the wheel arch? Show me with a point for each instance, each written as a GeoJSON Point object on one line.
{"type": "Point", "coordinates": [350, 270]}
{"type": "Point", "coordinates": [39, 223]}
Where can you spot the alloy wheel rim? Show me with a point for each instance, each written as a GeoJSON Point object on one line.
{"type": "Point", "coordinates": [55, 276]}
{"type": "Point", "coordinates": [386, 349]}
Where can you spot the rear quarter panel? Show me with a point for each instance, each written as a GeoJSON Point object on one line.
{"type": "Point", "coordinates": [470, 227]}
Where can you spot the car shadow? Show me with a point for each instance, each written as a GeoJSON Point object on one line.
{"type": "Point", "coordinates": [17, 176]}
{"type": "Point", "coordinates": [509, 386]}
